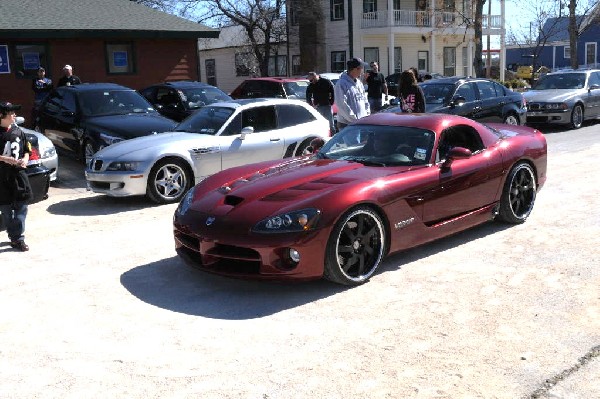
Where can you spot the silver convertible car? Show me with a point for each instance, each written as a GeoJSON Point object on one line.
{"type": "Point", "coordinates": [218, 136]}
{"type": "Point", "coordinates": [567, 97]}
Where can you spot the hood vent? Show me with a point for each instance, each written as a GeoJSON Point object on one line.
{"type": "Point", "coordinates": [233, 200]}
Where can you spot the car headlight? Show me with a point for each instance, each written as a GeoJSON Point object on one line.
{"type": "Point", "coordinates": [561, 106]}
{"type": "Point", "coordinates": [123, 166]}
{"type": "Point", "coordinates": [108, 139]}
{"type": "Point", "coordinates": [187, 200]}
{"type": "Point", "coordinates": [47, 152]}
{"type": "Point", "coordinates": [289, 222]}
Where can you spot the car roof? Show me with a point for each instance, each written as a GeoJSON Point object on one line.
{"type": "Point", "coordinates": [262, 101]}
{"type": "Point", "coordinates": [183, 84]}
{"type": "Point", "coordinates": [278, 79]}
{"type": "Point", "coordinates": [569, 71]}
{"type": "Point", "coordinates": [95, 86]}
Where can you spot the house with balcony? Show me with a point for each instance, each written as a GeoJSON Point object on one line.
{"type": "Point", "coordinates": [435, 36]}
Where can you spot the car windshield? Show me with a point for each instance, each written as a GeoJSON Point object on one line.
{"type": "Point", "coordinates": [381, 145]}
{"type": "Point", "coordinates": [207, 120]}
{"type": "Point", "coordinates": [296, 89]}
{"type": "Point", "coordinates": [561, 81]}
{"type": "Point", "coordinates": [437, 93]}
{"type": "Point", "coordinates": [197, 97]}
{"type": "Point", "coordinates": [113, 102]}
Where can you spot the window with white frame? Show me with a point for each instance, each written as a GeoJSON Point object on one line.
{"type": "Point", "coordinates": [277, 65]}
{"type": "Point", "coordinates": [369, 6]}
{"type": "Point", "coordinates": [397, 59]}
{"type": "Point", "coordinates": [590, 54]}
{"type": "Point", "coordinates": [465, 61]}
{"type": "Point", "coordinates": [338, 61]}
{"type": "Point", "coordinates": [337, 10]}
{"type": "Point", "coordinates": [296, 65]}
{"type": "Point", "coordinates": [567, 52]}
{"type": "Point", "coordinates": [211, 71]}
{"type": "Point", "coordinates": [449, 61]}
{"type": "Point", "coordinates": [371, 54]}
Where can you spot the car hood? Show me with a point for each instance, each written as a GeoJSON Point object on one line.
{"type": "Point", "coordinates": [139, 148]}
{"type": "Point", "coordinates": [131, 125]}
{"type": "Point", "coordinates": [286, 185]}
{"type": "Point", "coordinates": [549, 96]}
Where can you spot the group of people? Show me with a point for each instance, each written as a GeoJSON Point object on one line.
{"type": "Point", "coordinates": [42, 85]}
{"type": "Point", "coordinates": [349, 95]}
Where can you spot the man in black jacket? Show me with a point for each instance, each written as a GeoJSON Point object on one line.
{"type": "Point", "coordinates": [68, 78]}
{"type": "Point", "coordinates": [14, 156]}
{"type": "Point", "coordinates": [320, 95]}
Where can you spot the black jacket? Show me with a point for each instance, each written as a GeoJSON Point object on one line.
{"type": "Point", "coordinates": [320, 93]}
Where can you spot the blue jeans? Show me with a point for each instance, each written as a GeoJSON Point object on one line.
{"type": "Point", "coordinates": [376, 104]}
{"type": "Point", "coordinates": [325, 110]}
{"type": "Point", "coordinates": [13, 217]}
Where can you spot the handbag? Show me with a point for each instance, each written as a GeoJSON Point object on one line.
{"type": "Point", "coordinates": [22, 188]}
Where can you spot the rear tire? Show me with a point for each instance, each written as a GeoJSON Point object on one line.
{"type": "Point", "coordinates": [168, 181]}
{"type": "Point", "coordinates": [356, 247]}
{"type": "Point", "coordinates": [518, 195]}
{"type": "Point", "coordinates": [511, 119]}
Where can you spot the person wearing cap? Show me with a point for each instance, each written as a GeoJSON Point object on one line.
{"type": "Point", "coordinates": [350, 96]}
{"type": "Point", "coordinates": [14, 156]}
{"type": "Point", "coordinates": [320, 95]}
{"type": "Point", "coordinates": [41, 86]}
{"type": "Point", "coordinates": [68, 78]}
{"type": "Point", "coordinates": [376, 87]}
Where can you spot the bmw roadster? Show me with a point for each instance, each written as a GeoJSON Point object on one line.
{"type": "Point", "coordinates": [387, 183]}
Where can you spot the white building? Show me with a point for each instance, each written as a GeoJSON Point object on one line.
{"type": "Point", "coordinates": [435, 36]}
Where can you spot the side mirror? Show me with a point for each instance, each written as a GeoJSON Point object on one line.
{"type": "Point", "coordinates": [394, 101]}
{"type": "Point", "coordinates": [456, 153]}
{"type": "Point", "coordinates": [457, 101]}
{"type": "Point", "coordinates": [19, 120]}
{"type": "Point", "coordinates": [245, 131]}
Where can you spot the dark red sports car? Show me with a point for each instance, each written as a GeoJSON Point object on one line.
{"type": "Point", "coordinates": [387, 183]}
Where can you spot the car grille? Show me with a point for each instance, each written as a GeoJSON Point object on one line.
{"type": "Point", "coordinates": [96, 164]}
{"type": "Point", "coordinates": [533, 106]}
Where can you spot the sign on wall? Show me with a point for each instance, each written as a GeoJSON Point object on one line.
{"type": "Point", "coordinates": [120, 58]}
{"type": "Point", "coordinates": [4, 64]}
{"type": "Point", "coordinates": [31, 60]}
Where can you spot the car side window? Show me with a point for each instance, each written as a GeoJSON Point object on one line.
{"type": "Point", "coordinates": [234, 127]}
{"type": "Point", "coordinates": [486, 90]}
{"type": "Point", "coordinates": [260, 118]}
{"type": "Point", "coordinates": [594, 79]}
{"type": "Point", "coordinates": [500, 90]}
{"type": "Point", "coordinates": [467, 91]}
{"type": "Point", "coordinates": [149, 94]}
{"type": "Point", "coordinates": [458, 136]}
{"type": "Point", "coordinates": [166, 97]}
{"type": "Point", "coordinates": [292, 115]}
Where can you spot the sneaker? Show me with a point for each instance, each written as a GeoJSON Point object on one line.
{"type": "Point", "coordinates": [20, 245]}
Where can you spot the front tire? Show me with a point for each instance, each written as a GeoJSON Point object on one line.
{"type": "Point", "coordinates": [577, 117]}
{"type": "Point", "coordinates": [518, 195]}
{"type": "Point", "coordinates": [168, 181]}
{"type": "Point", "coordinates": [355, 248]}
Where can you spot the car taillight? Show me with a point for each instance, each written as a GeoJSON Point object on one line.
{"type": "Point", "coordinates": [34, 155]}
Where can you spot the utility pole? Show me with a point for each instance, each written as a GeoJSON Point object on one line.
{"type": "Point", "coordinates": [488, 72]}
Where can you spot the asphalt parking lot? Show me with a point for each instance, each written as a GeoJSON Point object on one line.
{"type": "Point", "coordinates": [101, 307]}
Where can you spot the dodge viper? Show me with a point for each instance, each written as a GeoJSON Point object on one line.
{"type": "Point", "coordinates": [389, 182]}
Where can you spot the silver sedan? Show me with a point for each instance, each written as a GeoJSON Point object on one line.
{"type": "Point", "coordinates": [218, 136]}
{"type": "Point", "coordinates": [567, 97]}
{"type": "Point", "coordinates": [47, 152]}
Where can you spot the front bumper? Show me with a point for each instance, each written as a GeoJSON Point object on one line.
{"type": "Point", "coordinates": [116, 184]}
{"type": "Point", "coordinates": [242, 254]}
{"type": "Point", "coordinates": [549, 116]}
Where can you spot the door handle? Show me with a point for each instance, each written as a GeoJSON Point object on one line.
{"type": "Point", "coordinates": [275, 138]}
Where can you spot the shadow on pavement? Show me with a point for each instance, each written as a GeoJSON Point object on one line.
{"type": "Point", "coordinates": [99, 205]}
{"type": "Point", "coordinates": [173, 285]}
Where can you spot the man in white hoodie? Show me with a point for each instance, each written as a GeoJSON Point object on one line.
{"type": "Point", "coordinates": [350, 96]}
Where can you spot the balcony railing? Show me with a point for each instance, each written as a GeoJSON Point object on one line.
{"type": "Point", "coordinates": [432, 19]}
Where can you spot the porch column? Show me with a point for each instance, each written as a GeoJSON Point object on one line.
{"type": "Point", "coordinates": [502, 40]}
{"type": "Point", "coordinates": [432, 58]}
{"type": "Point", "coordinates": [470, 55]}
{"type": "Point", "coordinates": [391, 45]}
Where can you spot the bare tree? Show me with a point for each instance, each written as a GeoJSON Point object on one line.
{"type": "Point", "coordinates": [478, 27]}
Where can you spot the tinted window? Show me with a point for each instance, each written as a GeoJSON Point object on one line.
{"type": "Point", "coordinates": [234, 127]}
{"type": "Point", "coordinates": [594, 79]}
{"type": "Point", "coordinates": [207, 120]}
{"type": "Point", "coordinates": [500, 90]}
{"type": "Point", "coordinates": [291, 115]}
{"type": "Point", "coordinates": [486, 90]}
{"type": "Point", "coordinates": [148, 94]}
{"type": "Point", "coordinates": [561, 81]}
{"type": "Point", "coordinates": [467, 91]}
{"type": "Point", "coordinates": [197, 97]}
{"type": "Point", "coordinates": [296, 89]}
{"type": "Point", "coordinates": [260, 118]}
{"type": "Point", "coordinates": [113, 102]}
{"type": "Point", "coordinates": [69, 102]}
{"type": "Point", "coordinates": [166, 96]}
{"type": "Point", "coordinates": [436, 93]}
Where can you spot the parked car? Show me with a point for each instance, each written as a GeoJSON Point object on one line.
{"type": "Point", "coordinates": [85, 118]}
{"type": "Point", "coordinates": [44, 152]}
{"type": "Point", "coordinates": [178, 100]}
{"type": "Point", "coordinates": [384, 184]}
{"type": "Point", "coordinates": [479, 99]}
{"type": "Point", "coordinates": [217, 137]}
{"type": "Point", "coordinates": [567, 97]}
{"type": "Point", "coordinates": [392, 80]}
{"type": "Point", "coordinates": [290, 88]}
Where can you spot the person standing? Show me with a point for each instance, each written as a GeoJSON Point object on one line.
{"type": "Point", "coordinates": [410, 94]}
{"type": "Point", "coordinates": [377, 87]}
{"type": "Point", "coordinates": [320, 95]}
{"type": "Point", "coordinates": [41, 86]}
{"type": "Point", "coordinates": [350, 96]}
{"type": "Point", "coordinates": [14, 156]}
{"type": "Point", "coordinates": [68, 78]}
